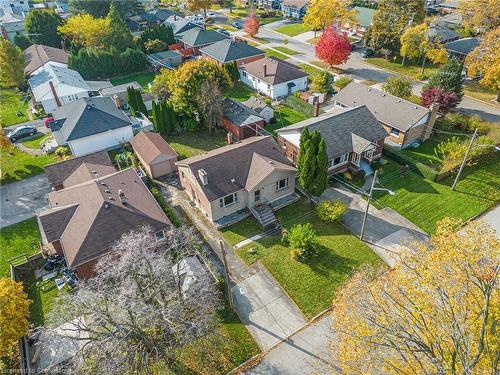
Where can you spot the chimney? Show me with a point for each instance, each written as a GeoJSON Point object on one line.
{"type": "Point", "coordinates": [229, 138]}
{"type": "Point", "coordinates": [316, 107]}
{"type": "Point", "coordinates": [121, 195]}
{"type": "Point", "coordinates": [203, 176]}
{"type": "Point", "coordinates": [175, 17]}
{"type": "Point", "coordinates": [117, 101]}
{"type": "Point", "coordinates": [53, 89]}
{"type": "Point", "coordinates": [265, 69]}
{"type": "Point", "coordinates": [426, 134]}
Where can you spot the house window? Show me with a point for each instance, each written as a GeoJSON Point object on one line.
{"type": "Point", "coordinates": [228, 200]}
{"type": "Point", "coordinates": [244, 74]}
{"type": "Point", "coordinates": [257, 195]}
{"type": "Point", "coordinates": [182, 175]}
{"type": "Point", "coordinates": [395, 132]}
{"type": "Point", "coordinates": [281, 184]}
{"type": "Point", "coordinates": [269, 87]}
{"type": "Point", "coordinates": [339, 160]}
{"type": "Point", "coordinates": [160, 235]}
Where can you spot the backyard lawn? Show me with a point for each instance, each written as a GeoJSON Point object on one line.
{"type": "Point", "coordinates": [36, 141]}
{"type": "Point", "coordinates": [240, 92]}
{"type": "Point", "coordinates": [17, 164]}
{"type": "Point", "coordinates": [411, 69]}
{"type": "Point", "coordinates": [10, 104]}
{"type": "Point", "coordinates": [285, 116]}
{"type": "Point", "coordinates": [293, 29]}
{"type": "Point", "coordinates": [311, 285]}
{"type": "Point", "coordinates": [142, 79]}
{"type": "Point", "coordinates": [191, 144]}
{"type": "Point", "coordinates": [273, 53]}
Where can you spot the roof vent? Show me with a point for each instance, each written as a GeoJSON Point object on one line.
{"type": "Point", "coordinates": [107, 191]}
{"type": "Point", "coordinates": [106, 205]}
{"type": "Point", "coordinates": [233, 181]}
{"type": "Point", "coordinates": [369, 89]}
{"type": "Point", "coordinates": [121, 193]}
{"type": "Point", "coordinates": [416, 107]}
{"type": "Point", "coordinates": [203, 176]}
{"type": "Point", "coordinates": [383, 94]}
{"type": "Point", "coordinates": [399, 100]}
{"type": "Point", "coordinates": [111, 198]}
{"type": "Point", "coordinates": [270, 161]}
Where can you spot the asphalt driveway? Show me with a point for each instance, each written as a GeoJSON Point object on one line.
{"type": "Point", "coordinates": [21, 200]}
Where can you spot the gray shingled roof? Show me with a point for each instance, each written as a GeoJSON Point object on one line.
{"type": "Point", "coordinates": [227, 50]}
{"type": "Point", "coordinates": [38, 55]}
{"type": "Point", "coordinates": [299, 4]}
{"type": "Point", "coordinates": [180, 25]}
{"type": "Point", "coordinates": [344, 130]}
{"type": "Point", "coordinates": [277, 70]}
{"type": "Point", "coordinates": [462, 46]}
{"type": "Point", "coordinates": [197, 37]}
{"type": "Point", "coordinates": [239, 114]}
{"type": "Point", "coordinates": [441, 33]}
{"type": "Point", "coordinates": [388, 109]}
{"type": "Point", "coordinates": [228, 177]}
{"type": "Point", "coordinates": [88, 116]}
{"type": "Point", "coordinates": [257, 104]}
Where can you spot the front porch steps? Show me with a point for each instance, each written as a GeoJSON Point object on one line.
{"type": "Point", "coordinates": [264, 215]}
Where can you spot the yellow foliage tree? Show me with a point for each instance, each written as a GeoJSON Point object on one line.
{"type": "Point", "coordinates": [14, 311]}
{"type": "Point", "coordinates": [85, 30]}
{"type": "Point", "coordinates": [322, 13]}
{"type": "Point", "coordinates": [484, 61]}
{"type": "Point", "coordinates": [435, 312]}
{"type": "Point", "coordinates": [482, 15]}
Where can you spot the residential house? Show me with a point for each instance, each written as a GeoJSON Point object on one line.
{"type": "Point", "coordinates": [85, 220]}
{"type": "Point", "coordinates": [15, 4]}
{"type": "Point", "coordinates": [441, 32]}
{"type": "Point", "coordinates": [12, 23]}
{"type": "Point", "coordinates": [273, 77]}
{"type": "Point", "coordinates": [165, 59]}
{"type": "Point", "coordinates": [449, 6]}
{"type": "Point", "coordinates": [260, 106]}
{"type": "Point", "coordinates": [77, 170]}
{"type": "Point", "coordinates": [88, 125]}
{"type": "Point", "coordinates": [364, 20]}
{"type": "Point", "coordinates": [237, 180]}
{"type": "Point", "coordinates": [119, 95]}
{"type": "Point", "coordinates": [240, 120]}
{"type": "Point", "coordinates": [37, 55]}
{"type": "Point", "coordinates": [196, 39]}
{"type": "Point", "coordinates": [294, 8]}
{"type": "Point", "coordinates": [180, 25]}
{"type": "Point", "coordinates": [154, 153]}
{"type": "Point", "coordinates": [228, 51]}
{"type": "Point", "coordinates": [462, 47]}
{"type": "Point", "coordinates": [269, 4]}
{"type": "Point", "coordinates": [405, 121]}
{"type": "Point", "coordinates": [353, 137]}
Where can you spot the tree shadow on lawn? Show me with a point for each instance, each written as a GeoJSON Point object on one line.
{"type": "Point", "coordinates": [19, 174]}
{"type": "Point", "coordinates": [328, 261]}
{"type": "Point", "coordinates": [410, 182]}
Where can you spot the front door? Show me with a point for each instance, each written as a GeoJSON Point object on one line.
{"type": "Point", "coordinates": [256, 196]}
{"type": "Point", "coordinates": [355, 159]}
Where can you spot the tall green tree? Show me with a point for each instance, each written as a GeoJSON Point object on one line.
{"type": "Point", "coordinates": [313, 164]}
{"type": "Point", "coordinates": [119, 36]}
{"type": "Point", "coordinates": [320, 180]}
{"type": "Point", "coordinates": [398, 86]}
{"type": "Point", "coordinates": [304, 137]}
{"type": "Point", "coordinates": [101, 8]}
{"type": "Point", "coordinates": [160, 32]}
{"type": "Point", "coordinates": [41, 25]}
{"type": "Point", "coordinates": [22, 41]}
{"type": "Point", "coordinates": [11, 64]}
{"type": "Point", "coordinates": [448, 78]}
{"type": "Point", "coordinates": [390, 21]}
{"type": "Point", "coordinates": [232, 70]}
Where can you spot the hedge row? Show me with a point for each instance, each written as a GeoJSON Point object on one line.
{"type": "Point", "coordinates": [419, 168]}
{"type": "Point", "coordinates": [169, 211]}
{"type": "Point", "coordinates": [300, 105]}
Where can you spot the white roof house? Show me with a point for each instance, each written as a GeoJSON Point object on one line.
{"type": "Point", "coordinates": [55, 85]}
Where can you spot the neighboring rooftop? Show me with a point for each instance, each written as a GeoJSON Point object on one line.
{"type": "Point", "coordinates": [257, 104]}
{"type": "Point", "coordinates": [120, 91]}
{"type": "Point", "coordinates": [89, 218]}
{"type": "Point", "coordinates": [251, 161]}
{"type": "Point", "coordinates": [239, 114]}
{"type": "Point", "coordinates": [344, 130]}
{"type": "Point", "coordinates": [197, 37]}
{"type": "Point", "coordinates": [441, 32]}
{"type": "Point", "coordinates": [227, 50]}
{"type": "Point", "coordinates": [273, 70]}
{"type": "Point", "coordinates": [462, 46]}
{"type": "Point", "coordinates": [151, 146]}
{"type": "Point", "coordinates": [179, 25]}
{"type": "Point", "coordinates": [365, 15]}
{"type": "Point", "coordinates": [88, 116]}
{"type": "Point", "coordinates": [74, 171]}
{"type": "Point", "coordinates": [388, 109]}
{"type": "Point", "coordinates": [38, 55]}
{"type": "Point", "coordinates": [298, 4]}
{"type": "Point", "coordinates": [66, 81]}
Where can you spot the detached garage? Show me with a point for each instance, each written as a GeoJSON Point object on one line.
{"type": "Point", "coordinates": [154, 153]}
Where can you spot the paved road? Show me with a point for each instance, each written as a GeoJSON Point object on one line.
{"type": "Point", "coordinates": [21, 200]}
{"type": "Point", "coordinates": [306, 352]}
{"type": "Point", "coordinates": [492, 218]}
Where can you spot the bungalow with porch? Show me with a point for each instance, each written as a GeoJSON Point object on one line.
{"type": "Point", "coordinates": [227, 51]}
{"type": "Point", "coordinates": [354, 138]}
{"type": "Point", "coordinates": [294, 8]}
{"type": "Point", "coordinates": [230, 183]}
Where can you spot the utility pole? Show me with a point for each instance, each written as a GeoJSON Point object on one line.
{"type": "Point", "coordinates": [368, 205]}
{"type": "Point", "coordinates": [465, 159]}
{"type": "Point", "coordinates": [226, 276]}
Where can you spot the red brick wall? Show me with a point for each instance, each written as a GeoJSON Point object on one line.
{"type": "Point", "coordinates": [241, 133]}
{"type": "Point", "coordinates": [288, 149]}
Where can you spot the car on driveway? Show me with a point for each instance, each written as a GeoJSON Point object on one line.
{"type": "Point", "coordinates": [224, 31]}
{"type": "Point", "coordinates": [236, 25]}
{"type": "Point", "coordinates": [21, 132]}
{"type": "Point", "coordinates": [211, 14]}
{"type": "Point", "coordinates": [368, 53]}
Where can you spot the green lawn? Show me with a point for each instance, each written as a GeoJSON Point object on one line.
{"type": "Point", "coordinates": [36, 141]}
{"type": "Point", "coordinates": [279, 55]}
{"type": "Point", "coordinates": [476, 91]}
{"type": "Point", "coordinates": [293, 29]}
{"type": "Point", "coordinates": [266, 20]}
{"type": "Point", "coordinates": [10, 104]}
{"type": "Point", "coordinates": [17, 164]}
{"type": "Point", "coordinates": [18, 239]}
{"type": "Point", "coordinates": [287, 50]}
{"type": "Point", "coordinates": [309, 69]}
{"type": "Point", "coordinates": [424, 202]}
{"type": "Point", "coordinates": [285, 116]}
{"type": "Point", "coordinates": [411, 69]}
{"type": "Point", "coordinates": [142, 79]}
{"type": "Point", "coordinates": [240, 92]}
{"type": "Point", "coordinates": [191, 144]}
{"type": "Point", "coordinates": [311, 285]}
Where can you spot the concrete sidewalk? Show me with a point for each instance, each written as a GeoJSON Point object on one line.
{"type": "Point", "coordinates": [386, 231]}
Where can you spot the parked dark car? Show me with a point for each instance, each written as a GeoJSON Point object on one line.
{"type": "Point", "coordinates": [368, 53]}
{"type": "Point", "coordinates": [224, 31]}
{"type": "Point", "coordinates": [21, 132]}
{"type": "Point", "coordinates": [53, 262]}
{"type": "Point", "coordinates": [237, 25]}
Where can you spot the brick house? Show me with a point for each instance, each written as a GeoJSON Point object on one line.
{"type": "Point", "coordinates": [227, 51]}
{"type": "Point", "coordinates": [196, 39]}
{"type": "Point", "coordinates": [354, 138]}
{"type": "Point", "coordinates": [240, 120]}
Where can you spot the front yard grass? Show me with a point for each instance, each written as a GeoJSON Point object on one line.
{"type": "Point", "coordinates": [273, 53]}
{"type": "Point", "coordinates": [287, 50]}
{"type": "Point", "coordinates": [142, 78]}
{"type": "Point", "coordinates": [293, 29]}
{"type": "Point", "coordinates": [10, 104]}
{"type": "Point", "coordinates": [17, 164]}
{"type": "Point", "coordinates": [311, 285]}
{"type": "Point", "coordinates": [240, 92]}
{"type": "Point", "coordinates": [191, 144]}
{"type": "Point", "coordinates": [412, 69]}
{"type": "Point", "coordinates": [476, 91]}
{"type": "Point", "coordinates": [36, 141]}
{"type": "Point", "coordinates": [309, 69]}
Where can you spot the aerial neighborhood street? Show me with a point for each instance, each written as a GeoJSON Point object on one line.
{"type": "Point", "coordinates": [249, 187]}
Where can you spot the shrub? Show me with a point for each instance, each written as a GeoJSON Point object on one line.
{"type": "Point", "coordinates": [398, 86]}
{"type": "Point", "coordinates": [169, 211]}
{"type": "Point", "coordinates": [330, 211]}
{"type": "Point", "coordinates": [321, 81]}
{"type": "Point", "coordinates": [342, 82]}
{"type": "Point", "coordinates": [63, 151]}
{"type": "Point", "coordinates": [303, 239]}
{"type": "Point", "coordinates": [300, 105]}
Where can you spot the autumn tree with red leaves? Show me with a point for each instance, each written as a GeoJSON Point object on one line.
{"type": "Point", "coordinates": [333, 47]}
{"type": "Point", "coordinates": [445, 100]}
{"type": "Point", "coordinates": [252, 25]}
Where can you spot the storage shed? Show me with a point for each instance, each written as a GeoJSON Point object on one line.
{"type": "Point", "coordinates": [154, 153]}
